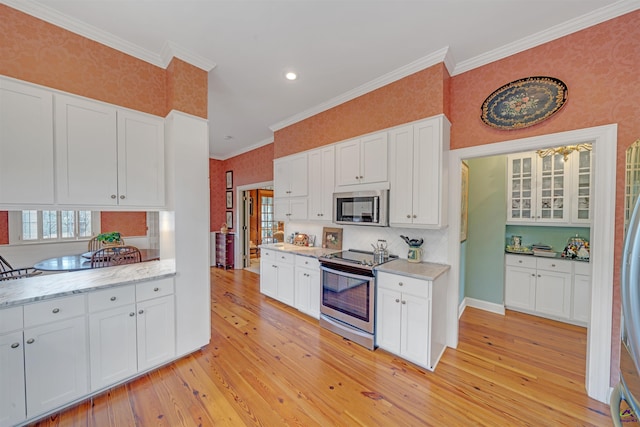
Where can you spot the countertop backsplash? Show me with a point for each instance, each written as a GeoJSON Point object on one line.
{"type": "Point", "coordinates": [556, 237]}
{"type": "Point", "coordinates": [362, 236]}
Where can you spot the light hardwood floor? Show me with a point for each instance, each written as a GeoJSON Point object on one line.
{"type": "Point", "coordinates": [269, 365]}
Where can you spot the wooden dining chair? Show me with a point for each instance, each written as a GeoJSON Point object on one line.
{"type": "Point", "coordinates": [7, 272]}
{"type": "Point", "coordinates": [115, 255]}
{"type": "Point", "coordinates": [95, 244]}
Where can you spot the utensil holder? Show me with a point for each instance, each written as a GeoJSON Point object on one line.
{"type": "Point", "coordinates": [414, 254]}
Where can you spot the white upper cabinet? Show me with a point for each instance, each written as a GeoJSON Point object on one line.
{"type": "Point", "coordinates": [290, 176]}
{"type": "Point", "coordinates": [321, 183]}
{"type": "Point", "coordinates": [548, 190]}
{"type": "Point", "coordinates": [26, 144]}
{"type": "Point", "coordinates": [140, 159]}
{"type": "Point", "coordinates": [362, 160]}
{"type": "Point", "coordinates": [417, 181]}
{"type": "Point", "coordinates": [106, 156]}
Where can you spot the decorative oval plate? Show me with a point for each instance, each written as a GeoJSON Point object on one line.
{"type": "Point", "coordinates": [524, 102]}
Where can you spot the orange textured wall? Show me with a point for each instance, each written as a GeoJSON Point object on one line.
{"type": "Point", "coordinates": [127, 223]}
{"type": "Point", "coordinates": [414, 97]}
{"type": "Point", "coordinates": [41, 53]}
{"type": "Point", "coordinates": [600, 67]}
{"type": "Point", "coordinates": [4, 228]}
{"type": "Point", "coordinates": [186, 88]}
{"type": "Point", "coordinates": [249, 168]}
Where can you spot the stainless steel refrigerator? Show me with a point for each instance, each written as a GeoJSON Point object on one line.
{"type": "Point", "coordinates": [628, 389]}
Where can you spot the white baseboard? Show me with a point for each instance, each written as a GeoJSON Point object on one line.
{"type": "Point", "coordinates": [482, 305]}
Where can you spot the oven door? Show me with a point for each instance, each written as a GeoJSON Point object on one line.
{"type": "Point", "coordinates": [348, 297]}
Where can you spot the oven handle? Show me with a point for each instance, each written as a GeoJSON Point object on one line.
{"type": "Point", "coordinates": [345, 273]}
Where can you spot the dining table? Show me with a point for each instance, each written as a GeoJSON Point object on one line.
{"type": "Point", "coordinates": [83, 261]}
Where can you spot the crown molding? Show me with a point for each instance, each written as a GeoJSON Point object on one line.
{"type": "Point", "coordinates": [395, 75]}
{"type": "Point", "coordinates": [243, 150]}
{"type": "Point", "coordinates": [573, 25]}
{"type": "Point", "coordinates": [76, 26]}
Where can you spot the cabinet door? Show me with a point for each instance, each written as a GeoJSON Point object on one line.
{"type": "Point", "coordinates": [290, 176]}
{"type": "Point", "coordinates": [348, 163]}
{"type": "Point", "coordinates": [112, 345]}
{"type": "Point", "coordinates": [297, 208]}
{"type": "Point", "coordinates": [86, 152]}
{"type": "Point", "coordinates": [553, 293]}
{"type": "Point", "coordinates": [521, 187]}
{"type": "Point", "coordinates": [12, 387]}
{"type": "Point", "coordinates": [374, 158]}
{"type": "Point", "coordinates": [268, 273]}
{"type": "Point", "coordinates": [140, 159]}
{"type": "Point", "coordinates": [581, 310]}
{"type": "Point", "coordinates": [321, 183]}
{"type": "Point", "coordinates": [401, 174]}
{"type": "Point", "coordinates": [307, 291]}
{"type": "Point", "coordinates": [552, 199]}
{"type": "Point", "coordinates": [520, 288]}
{"type": "Point", "coordinates": [388, 321]}
{"type": "Point", "coordinates": [427, 174]}
{"type": "Point", "coordinates": [156, 331]}
{"type": "Point", "coordinates": [26, 144]}
{"type": "Point", "coordinates": [281, 209]}
{"type": "Point", "coordinates": [581, 187]}
{"type": "Point", "coordinates": [416, 315]}
{"type": "Point", "coordinates": [285, 284]}
{"type": "Point", "coordinates": [55, 359]}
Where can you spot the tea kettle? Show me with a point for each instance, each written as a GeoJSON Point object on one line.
{"type": "Point", "coordinates": [380, 252]}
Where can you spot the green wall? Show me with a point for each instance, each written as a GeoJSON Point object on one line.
{"type": "Point", "coordinates": [484, 267]}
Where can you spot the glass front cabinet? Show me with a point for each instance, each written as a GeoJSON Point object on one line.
{"type": "Point", "coordinates": [549, 189]}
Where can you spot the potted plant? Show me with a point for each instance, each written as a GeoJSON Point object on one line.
{"type": "Point", "coordinates": [111, 238]}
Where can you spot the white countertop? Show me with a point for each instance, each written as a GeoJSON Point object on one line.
{"type": "Point", "coordinates": [38, 288]}
{"type": "Point", "coordinates": [418, 270]}
{"type": "Point", "coordinates": [310, 251]}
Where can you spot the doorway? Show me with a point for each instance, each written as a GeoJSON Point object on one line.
{"type": "Point", "coordinates": [604, 139]}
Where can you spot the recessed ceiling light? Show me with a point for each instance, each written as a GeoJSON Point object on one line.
{"type": "Point", "coordinates": [291, 75]}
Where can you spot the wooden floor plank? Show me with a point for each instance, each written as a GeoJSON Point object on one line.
{"type": "Point", "coordinates": [270, 365]}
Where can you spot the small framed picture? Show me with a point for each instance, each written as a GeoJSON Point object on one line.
{"type": "Point", "coordinates": [230, 219]}
{"type": "Point", "coordinates": [229, 177]}
{"type": "Point", "coordinates": [332, 238]}
{"type": "Point", "coordinates": [229, 199]}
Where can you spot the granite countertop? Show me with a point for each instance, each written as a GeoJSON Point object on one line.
{"type": "Point", "coordinates": [38, 288]}
{"type": "Point", "coordinates": [557, 256]}
{"type": "Point", "coordinates": [418, 270]}
{"type": "Point", "coordinates": [310, 251]}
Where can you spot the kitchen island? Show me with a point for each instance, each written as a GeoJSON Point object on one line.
{"type": "Point", "coordinates": [65, 337]}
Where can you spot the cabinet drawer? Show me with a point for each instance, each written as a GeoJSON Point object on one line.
{"type": "Point", "coordinates": [111, 298]}
{"type": "Point", "coordinates": [285, 257]}
{"type": "Point", "coordinates": [10, 319]}
{"type": "Point", "coordinates": [404, 284]}
{"type": "Point", "coordinates": [154, 289]}
{"type": "Point", "coordinates": [580, 267]}
{"type": "Point", "coordinates": [53, 310]}
{"type": "Point", "coordinates": [520, 261]}
{"type": "Point", "coordinates": [307, 262]}
{"type": "Point", "coordinates": [554, 265]}
{"type": "Point", "coordinates": [267, 254]}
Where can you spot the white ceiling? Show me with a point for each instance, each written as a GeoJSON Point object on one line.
{"type": "Point", "coordinates": [339, 48]}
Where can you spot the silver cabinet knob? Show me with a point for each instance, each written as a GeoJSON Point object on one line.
{"type": "Point", "coordinates": [113, 196]}
{"type": "Point", "coordinates": [356, 176]}
{"type": "Point", "coordinates": [132, 314]}
{"type": "Point", "coordinates": [400, 284]}
{"type": "Point", "coordinates": [404, 302]}
{"type": "Point", "coordinates": [55, 311]}
{"type": "Point", "coordinates": [408, 216]}
{"type": "Point", "coordinates": [30, 341]}
{"type": "Point", "coordinates": [397, 299]}
{"type": "Point", "coordinates": [156, 289]}
{"type": "Point", "coordinates": [141, 311]}
{"type": "Point", "coordinates": [415, 216]}
{"type": "Point", "coordinates": [122, 196]}
{"type": "Point", "coordinates": [361, 176]}
{"type": "Point", "coordinates": [112, 298]}
{"type": "Point", "coordinates": [539, 275]}
{"type": "Point", "coordinates": [533, 275]}
{"type": "Point", "coordinates": [15, 345]}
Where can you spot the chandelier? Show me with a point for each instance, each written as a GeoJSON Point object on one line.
{"type": "Point", "coordinates": [564, 151]}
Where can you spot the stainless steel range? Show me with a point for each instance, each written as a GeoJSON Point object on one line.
{"type": "Point", "coordinates": [347, 305]}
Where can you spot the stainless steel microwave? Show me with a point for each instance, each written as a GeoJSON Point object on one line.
{"type": "Point", "coordinates": [361, 208]}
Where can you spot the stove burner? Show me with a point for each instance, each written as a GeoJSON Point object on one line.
{"type": "Point", "coordinates": [354, 257]}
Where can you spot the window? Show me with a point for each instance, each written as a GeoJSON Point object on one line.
{"type": "Point", "coordinates": [50, 226]}
{"type": "Point", "coordinates": [267, 223]}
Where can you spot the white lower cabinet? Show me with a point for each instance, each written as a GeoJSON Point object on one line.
{"type": "Point", "coordinates": [55, 353]}
{"type": "Point", "coordinates": [410, 315]}
{"type": "Point", "coordinates": [277, 278]}
{"type": "Point", "coordinates": [131, 330]}
{"type": "Point", "coordinates": [548, 287]}
{"type": "Point", "coordinates": [12, 387]}
{"type": "Point", "coordinates": [307, 286]}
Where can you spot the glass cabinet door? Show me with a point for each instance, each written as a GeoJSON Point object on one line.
{"type": "Point", "coordinates": [552, 200]}
{"type": "Point", "coordinates": [521, 197]}
{"type": "Point", "coordinates": [582, 187]}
